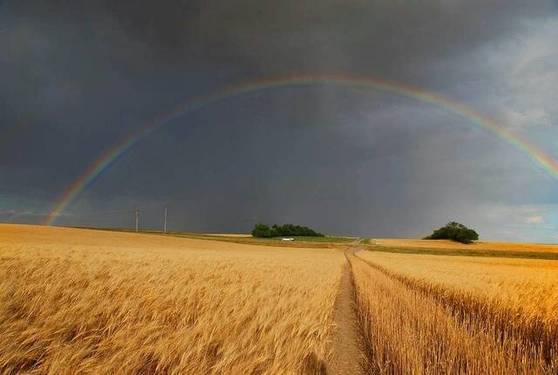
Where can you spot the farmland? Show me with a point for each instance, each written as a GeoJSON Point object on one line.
{"type": "Point", "coordinates": [93, 301]}
{"type": "Point", "coordinates": [105, 302]}
{"type": "Point", "coordinates": [448, 314]}
{"type": "Point", "coordinates": [450, 245]}
{"type": "Point", "coordinates": [478, 249]}
{"type": "Point", "coordinates": [528, 285]}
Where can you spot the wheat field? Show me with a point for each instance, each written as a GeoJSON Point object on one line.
{"type": "Point", "coordinates": [528, 285]}
{"type": "Point", "coordinates": [96, 302]}
{"type": "Point", "coordinates": [82, 301]}
{"type": "Point", "coordinates": [451, 245]}
{"type": "Point", "coordinates": [425, 314]}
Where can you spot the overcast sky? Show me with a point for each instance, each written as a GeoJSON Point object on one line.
{"type": "Point", "coordinates": [78, 76]}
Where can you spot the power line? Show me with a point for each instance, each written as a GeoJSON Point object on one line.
{"type": "Point", "coordinates": [137, 220]}
{"type": "Point", "coordinates": [165, 225]}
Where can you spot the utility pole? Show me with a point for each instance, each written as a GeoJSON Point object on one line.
{"type": "Point", "coordinates": [165, 225]}
{"type": "Point", "coordinates": [137, 220]}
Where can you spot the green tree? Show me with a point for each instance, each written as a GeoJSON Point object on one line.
{"type": "Point", "coordinates": [262, 231]}
{"type": "Point", "coordinates": [456, 232]}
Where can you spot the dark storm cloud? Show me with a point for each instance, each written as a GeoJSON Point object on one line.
{"type": "Point", "coordinates": [76, 76]}
{"type": "Point", "coordinates": [363, 35]}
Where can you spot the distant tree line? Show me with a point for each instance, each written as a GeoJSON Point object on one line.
{"type": "Point", "coordinates": [264, 231]}
{"type": "Point", "coordinates": [455, 232]}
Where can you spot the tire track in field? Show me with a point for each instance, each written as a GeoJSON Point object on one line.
{"type": "Point", "coordinates": [348, 356]}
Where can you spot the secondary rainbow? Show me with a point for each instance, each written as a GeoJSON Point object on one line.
{"type": "Point", "coordinates": [110, 156]}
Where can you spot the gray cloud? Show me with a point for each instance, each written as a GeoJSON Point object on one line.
{"type": "Point", "coordinates": [77, 76]}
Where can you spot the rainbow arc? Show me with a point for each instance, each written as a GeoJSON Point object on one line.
{"type": "Point", "coordinates": [109, 157]}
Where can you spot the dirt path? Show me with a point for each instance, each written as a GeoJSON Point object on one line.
{"type": "Point", "coordinates": [347, 356]}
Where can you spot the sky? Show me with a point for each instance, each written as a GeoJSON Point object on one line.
{"type": "Point", "coordinates": [77, 77]}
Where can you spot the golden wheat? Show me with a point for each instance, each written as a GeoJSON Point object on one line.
{"type": "Point", "coordinates": [528, 285]}
{"type": "Point", "coordinates": [422, 325]}
{"type": "Point", "coordinates": [76, 301]}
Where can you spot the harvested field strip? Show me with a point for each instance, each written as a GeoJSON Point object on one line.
{"type": "Point", "coordinates": [477, 245]}
{"type": "Point", "coordinates": [411, 329]}
{"type": "Point", "coordinates": [467, 252]}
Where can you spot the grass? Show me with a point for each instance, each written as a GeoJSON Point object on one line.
{"type": "Point", "coordinates": [447, 315]}
{"type": "Point", "coordinates": [307, 242]}
{"type": "Point", "coordinates": [300, 241]}
{"type": "Point", "coordinates": [472, 252]}
{"type": "Point", "coordinates": [328, 239]}
{"type": "Point", "coordinates": [476, 245]}
{"type": "Point", "coordinates": [81, 301]}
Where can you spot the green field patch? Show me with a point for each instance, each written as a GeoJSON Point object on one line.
{"type": "Point", "coordinates": [466, 252]}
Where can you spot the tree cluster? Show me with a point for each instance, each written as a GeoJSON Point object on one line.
{"type": "Point", "coordinates": [455, 232]}
{"type": "Point", "coordinates": [264, 231]}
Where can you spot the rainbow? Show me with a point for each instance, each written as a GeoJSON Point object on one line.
{"type": "Point", "coordinates": [110, 156]}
